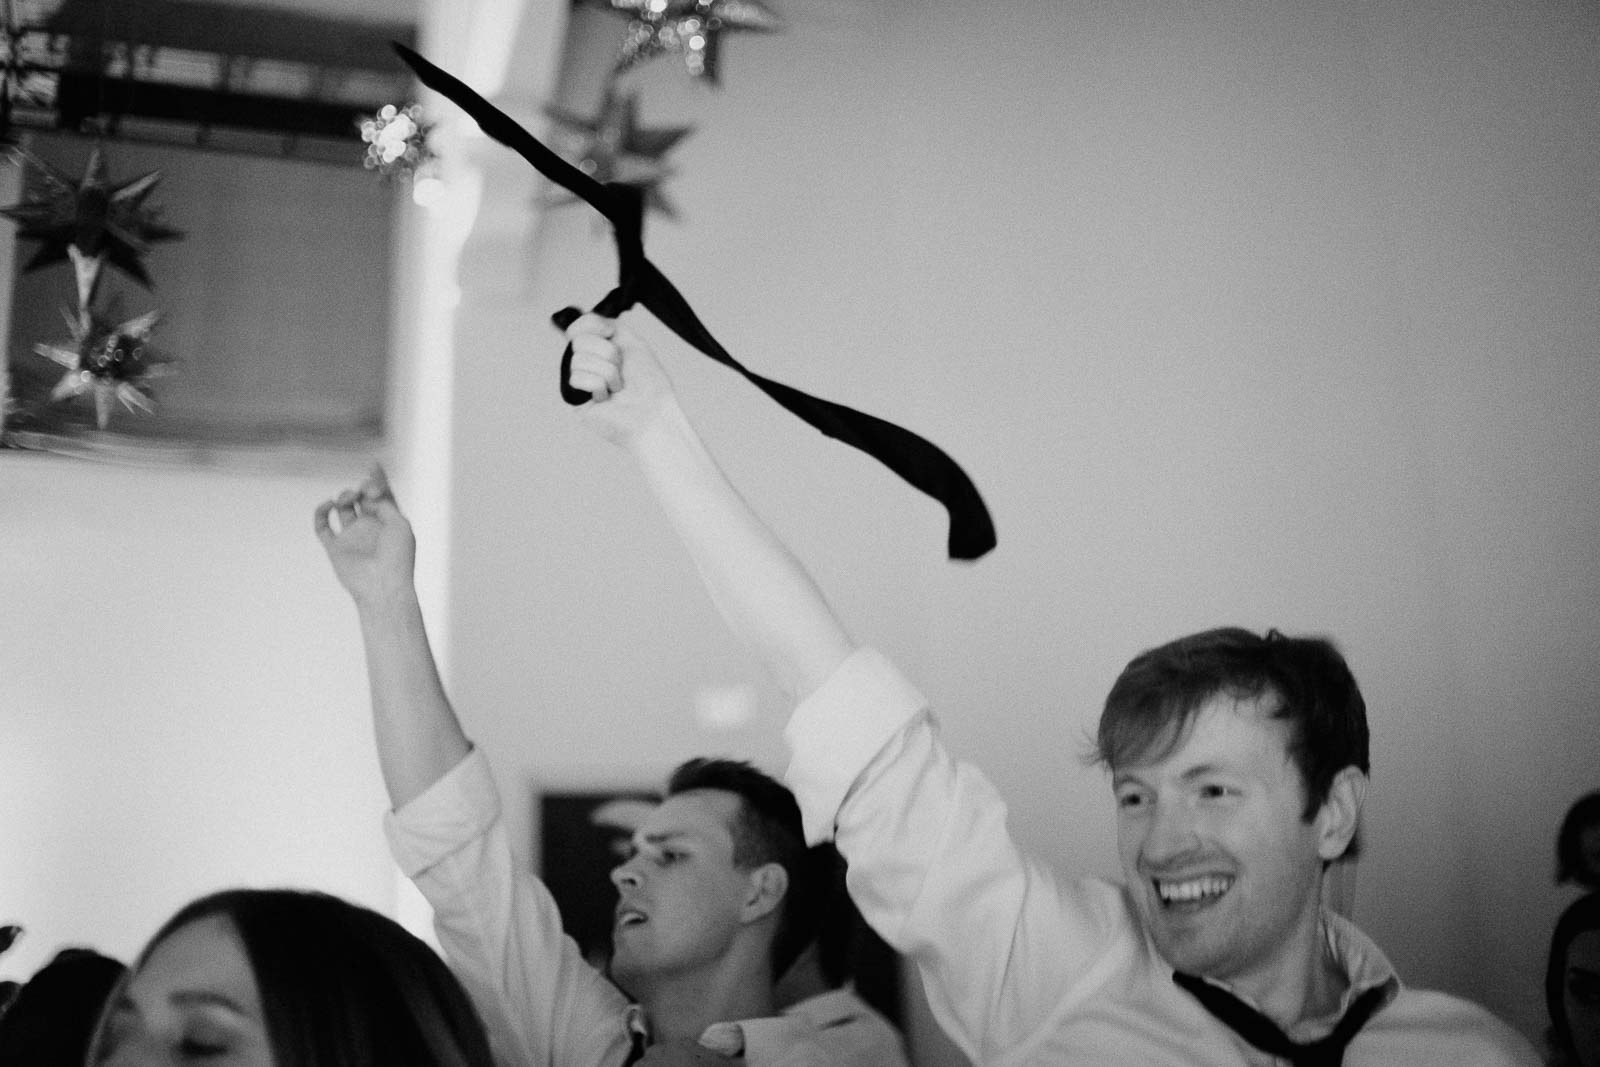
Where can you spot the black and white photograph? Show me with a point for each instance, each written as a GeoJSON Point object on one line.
{"type": "Point", "coordinates": [866, 533]}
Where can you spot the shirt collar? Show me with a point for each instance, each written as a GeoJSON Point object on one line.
{"type": "Point", "coordinates": [725, 1038]}
{"type": "Point", "coordinates": [1358, 956]}
{"type": "Point", "coordinates": [1362, 961]}
{"type": "Point", "coordinates": [638, 1026]}
{"type": "Point", "coordinates": [828, 1008]}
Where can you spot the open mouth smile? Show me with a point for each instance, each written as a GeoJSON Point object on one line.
{"type": "Point", "coordinates": [1191, 894]}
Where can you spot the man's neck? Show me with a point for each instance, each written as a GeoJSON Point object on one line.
{"type": "Point", "coordinates": [1307, 984]}
{"type": "Point", "coordinates": [682, 1005]}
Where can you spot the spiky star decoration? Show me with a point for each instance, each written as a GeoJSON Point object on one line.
{"type": "Point", "coordinates": [612, 148]}
{"type": "Point", "coordinates": [90, 221]}
{"type": "Point", "coordinates": [111, 363]}
{"type": "Point", "coordinates": [692, 29]}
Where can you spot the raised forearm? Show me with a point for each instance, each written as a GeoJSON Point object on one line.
{"type": "Point", "coordinates": [762, 591]}
{"type": "Point", "coordinates": [418, 736]}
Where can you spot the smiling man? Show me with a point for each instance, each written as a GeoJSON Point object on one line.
{"type": "Point", "coordinates": [1239, 764]}
{"type": "Point", "coordinates": [713, 903]}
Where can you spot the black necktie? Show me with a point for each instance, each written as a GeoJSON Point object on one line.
{"type": "Point", "coordinates": [1265, 1035]}
{"type": "Point", "coordinates": [915, 459]}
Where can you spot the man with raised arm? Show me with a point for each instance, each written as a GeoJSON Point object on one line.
{"type": "Point", "coordinates": [713, 904]}
{"type": "Point", "coordinates": [1239, 764]}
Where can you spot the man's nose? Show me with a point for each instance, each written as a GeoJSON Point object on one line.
{"type": "Point", "coordinates": [1173, 834]}
{"type": "Point", "coordinates": [626, 874]}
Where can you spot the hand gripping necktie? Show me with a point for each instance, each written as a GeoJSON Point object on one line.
{"type": "Point", "coordinates": [913, 458]}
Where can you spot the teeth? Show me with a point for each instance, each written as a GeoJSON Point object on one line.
{"type": "Point", "coordinates": [1212, 885]}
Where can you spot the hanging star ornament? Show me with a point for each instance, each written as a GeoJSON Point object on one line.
{"type": "Point", "coordinates": [692, 29]}
{"type": "Point", "coordinates": [612, 148]}
{"type": "Point", "coordinates": [397, 140]}
{"type": "Point", "coordinates": [103, 222]}
{"type": "Point", "coordinates": [109, 363]}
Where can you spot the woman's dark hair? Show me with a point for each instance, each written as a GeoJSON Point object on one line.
{"type": "Point", "coordinates": [1581, 916]}
{"type": "Point", "coordinates": [1571, 866]}
{"type": "Point", "coordinates": [50, 1020]}
{"type": "Point", "coordinates": [341, 985]}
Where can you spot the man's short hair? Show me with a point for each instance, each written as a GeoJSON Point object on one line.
{"type": "Point", "coordinates": [1158, 694]}
{"type": "Point", "coordinates": [767, 830]}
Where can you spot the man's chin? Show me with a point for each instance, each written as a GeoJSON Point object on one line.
{"type": "Point", "coordinates": [1185, 946]}
{"type": "Point", "coordinates": [622, 970]}
{"type": "Point", "coordinates": [1190, 958]}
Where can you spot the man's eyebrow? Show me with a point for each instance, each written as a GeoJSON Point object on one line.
{"type": "Point", "coordinates": [1205, 770]}
{"type": "Point", "coordinates": [1189, 774]}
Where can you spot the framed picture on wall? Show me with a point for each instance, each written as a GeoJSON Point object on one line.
{"type": "Point", "coordinates": [273, 307]}
{"type": "Point", "coordinates": [583, 835]}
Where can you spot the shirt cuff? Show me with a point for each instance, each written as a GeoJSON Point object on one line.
{"type": "Point", "coordinates": [458, 808]}
{"type": "Point", "coordinates": [834, 733]}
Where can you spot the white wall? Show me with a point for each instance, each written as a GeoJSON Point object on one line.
{"type": "Point", "coordinates": [1265, 314]}
{"type": "Point", "coordinates": [182, 702]}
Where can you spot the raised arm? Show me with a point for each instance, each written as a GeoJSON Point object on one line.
{"type": "Point", "coordinates": [373, 552]}
{"type": "Point", "coordinates": [932, 865]}
{"type": "Point", "coordinates": [499, 927]}
{"type": "Point", "coordinates": [763, 592]}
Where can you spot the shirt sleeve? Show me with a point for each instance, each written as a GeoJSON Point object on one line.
{"type": "Point", "coordinates": [1432, 1029]}
{"type": "Point", "coordinates": [1002, 946]}
{"type": "Point", "coordinates": [542, 1003]}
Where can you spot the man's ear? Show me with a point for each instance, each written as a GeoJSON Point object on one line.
{"type": "Point", "coordinates": [1340, 814]}
{"type": "Point", "coordinates": [768, 883]}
